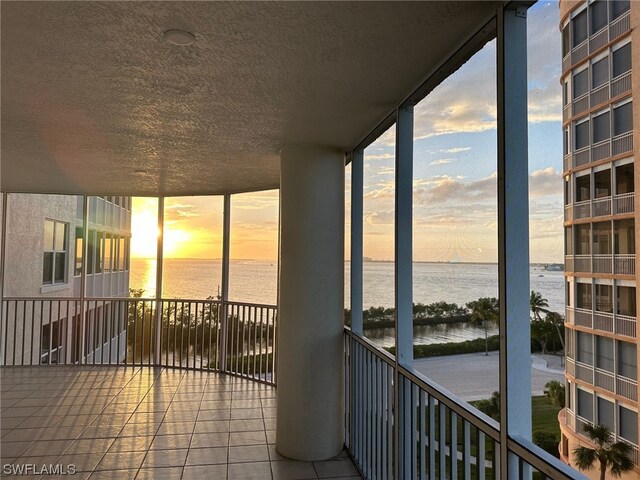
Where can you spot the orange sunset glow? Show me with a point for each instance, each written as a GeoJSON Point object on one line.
{"type": "Point", "coordinates": [193, 227]}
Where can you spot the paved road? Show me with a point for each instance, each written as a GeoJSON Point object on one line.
{"type": "Point", "coordinates": [474, 376]}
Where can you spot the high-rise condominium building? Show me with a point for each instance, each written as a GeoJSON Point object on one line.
{"type": "Point", "coordinates": [600, 77]}
{"type": "Point", "coordinates": [43, 261]}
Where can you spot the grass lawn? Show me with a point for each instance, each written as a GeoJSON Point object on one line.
{"type": "Point", "coordinates": [545, 415]}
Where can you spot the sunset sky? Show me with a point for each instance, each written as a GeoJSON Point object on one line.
{"type": "Point", "coordinates": [455, 202]}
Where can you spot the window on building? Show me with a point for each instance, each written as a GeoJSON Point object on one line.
{"type": "Point", "coordinates": [568, 397]}
{"type": "Point", "coordinates": [582, 134]}
{"type": "Point", "coordinates": [585, 348]}
{"type": "Point", "coordinates": [598, 15]}
{"type": "Point", "coordinates": [601, 127]}
{"type": "Point", "coordinates": [604, 299]}
{"type": "Point", "coordinates": [580, 30]}
{"type": "Point", "coordinates": [623, 118]}
{"type": "Point", "coordinates": [602, 241]}
{"type": "Point", "coordinates": [91, 251]}
{"type": "Point", "coordinates": [584, 295]}
{"type": "Point", "coordinates": [108, 252]}
{"type": "Point", "coordinates": [99, 259]}
{"type": "Point", "coordinates": [585, 404]}
{"type": "Point", "coordinates": [604, 354]}
{"type": "Point", "coordinates": [600, 72]}
{"type": "Point", "coordinates": [54, 265]}
{"type": "Point", "coordinates": [626, 301]}
{"type": "Point", "coordinates": [565, 141]}
{"type": "Point", "coordinates": [121, 254]}
{"type": "Point", "coordinates": [628, 425]}
{"type": "Point", "coordinates": [580, 83]}
{"type": "Point", "coordinates": [583, 188]}
{"type": "Point", "coordinates": [566, 41]}
{"type": "Point", "coordinates": [606, 413]}
{"type": "Point", "coordinates": [621, 60]}
{"type": "Point", "coordinates": [583, 239]}
{"type": "Point", "coordinates": [627, 360]}
{"type": "Point", "coordinates": [618, 8]}
{"type": "Point", "coordinates": [79, 252]}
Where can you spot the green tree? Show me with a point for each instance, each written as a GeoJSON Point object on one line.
{"type": "Point", "coordinates": [542, 331]}
{"type": "Point", "coordinates": [615, 456]}
{"type": "Point", "coordinates": [484, 311]}
{"type": "Point", "coordinates": [538, 305]}
{"type": "Point", "coordinates": [490, 406]}
{"type": "Point", "coordinates": [554, 390]}
{"type": "Point", "coordinates": [558, 322]}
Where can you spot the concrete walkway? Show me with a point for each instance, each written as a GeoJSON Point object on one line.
{"type": "Point", "coordinates": [474, 376]}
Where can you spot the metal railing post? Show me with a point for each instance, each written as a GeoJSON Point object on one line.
{"type": "Point", "coordinates": [157, 356]}
{"type": "Point", "coordinates": [83, 281]}
{"type": "Point", "coordinates": [224, 291]}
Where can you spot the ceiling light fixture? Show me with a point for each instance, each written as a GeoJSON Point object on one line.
{"type": "Point", "coordinates": [178, 37]}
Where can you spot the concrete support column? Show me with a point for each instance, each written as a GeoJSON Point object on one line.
{"type": "Point", "coordinates": [310, 361]}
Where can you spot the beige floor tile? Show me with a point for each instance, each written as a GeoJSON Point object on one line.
{"type": "Point", "coordinates": [207, 456]}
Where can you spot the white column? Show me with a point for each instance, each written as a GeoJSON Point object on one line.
{"type": "Point", "coordinates": [310, 411]}
{"type": "Point", "coordinates": [513, 235]}
{"type": "Point", "coordinates": [159, 266]}
{"type": "Point", "coordinates": [224, 292]}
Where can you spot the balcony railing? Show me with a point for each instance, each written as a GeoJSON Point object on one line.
{"type": "Point", "coordinates": [603, 321]}
{"type": "Point", "coordinates": [568, 213]}
{"type": "Point", "coordinates": [584, 372]}
{"type": "Point", "coordinates": [582, 209]}
{"type": "Point", "coordinates": [622, 143]}
{"type": "Point", "coordinates": [621, 84]}
{"type": "Point", "coordinates": [601, 207]}
{"type": "Point", "coordinates": [625, 264]}
{"type": "Point", "coordinates": [596, 41]}
{"type": "Point", "coordinates": [627, 387]}
{"type": "Point", "coordinates": [625, 325]}
{"type": "Point", "coordinates": [605, 379]}
{"type": "Point", "coordinates": [584, 317]}
{"type": "Point", "coordinates": [419, 428]}
{"type": "Point", "coordinates": [582, 263]}
{"type": "Point", "coordinates": [602, 263]}
{"type": "Point", "coordinates": [211, 335]}
{"type": "Point", "coordinates": [623, 203]}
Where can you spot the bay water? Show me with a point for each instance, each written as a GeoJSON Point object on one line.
{"type": "Point", "coordinates": [255, 281]}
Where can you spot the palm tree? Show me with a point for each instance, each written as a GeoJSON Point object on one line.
{"type": "Point", "coordinates": [614, 456]}
{"type": "Point", "coordinates": [538, 305]}
{"type": "Point", "coordinates": [484, 310]}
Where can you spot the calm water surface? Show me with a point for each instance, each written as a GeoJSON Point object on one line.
{"type": "Point", "coordinates": [255, 281]}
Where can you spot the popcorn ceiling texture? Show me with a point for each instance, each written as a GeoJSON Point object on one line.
{"type": "Point", "coordinates": [91, 94]}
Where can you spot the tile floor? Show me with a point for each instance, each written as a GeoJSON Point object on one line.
{"type": "Point", "coordinates": [145, 423]}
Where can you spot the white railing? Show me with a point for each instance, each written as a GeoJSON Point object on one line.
{"type": "Point", "coordinates": [567, 162]}
{"type": "Point", "coordinates": [568, 263]}
{"type": "Point", "coordinates": [604, 379]}
{"type": "Point", "coordinates": [584, 372]}
{"type": "Point", "coordinates": [621, 84]}
{"type": "Point", "coordinates": [602, 207]}
{"type": "Point", "coordinates": [599, 39]}
{"type": "Point", "coordinates": [626, 325]}
{"type": "Point", "coordinates": [622, 143]}
{"type": "Point", "coordinates": [601, 150]}
{"type": "Point", "coordinates": [570, 419]}
{"type": "Point", "coordinates": [580, 52]}
{"type": "Point", "coordinates": [603, 263]}
{"type": "Point", "coordinates": [582, 209]}
{"type": "Point", "coordinates": [210, 335]}
{"type": "Point", "coordinates": [570, 367]}
{"type": "Point", "coordinates": [603, 321]}
{"type": "Point", "coordinates": [619, 26]}
{"type": "Point", "coordinates": [627, 387]}
{"type": "Point", "coordinates": [624, 203]}
{"type": "Point", "coordinates": [625, 264]}
{"type": "Point", "coordinates": [584, 317]}
{"type": "Point", "coordinates": [566, 112]}
{"type": "Point", "coordinates": [582, 263]}
{"type": "Point", "coordinates": [580, 104]}
{"type": "Point", "coordinates": [414, 427]}
{"type": "Point", "coordinates": [581, 156]}
{"type": "Point", "coordinates": [568, 213]}
{"type": "Point", "coordinates": [599, 95]}
{"type": "Point", "coordinates": [568, 315]}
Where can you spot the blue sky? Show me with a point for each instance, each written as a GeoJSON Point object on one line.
{"type": "Point", "coordinates": [455, 160]}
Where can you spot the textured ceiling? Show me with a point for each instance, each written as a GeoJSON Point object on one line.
{"type": "Point", "coordinates": [94, 102]}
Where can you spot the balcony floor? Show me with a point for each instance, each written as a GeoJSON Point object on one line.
{"type": "Point", "coordinates": [145, 423]}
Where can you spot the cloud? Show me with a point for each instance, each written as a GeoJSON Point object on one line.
{"type": "Point", "coordinates": [547, 181]}
{"type": "Point", "coordinates": [442, 161]}
{"type": "Point", "coordinates": [456, 149]}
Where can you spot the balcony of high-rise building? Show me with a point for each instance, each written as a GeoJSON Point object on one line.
{"type": "Point", "coordinates": [103, 102]}
{"type": "Point", "coordinates": [600, 120]}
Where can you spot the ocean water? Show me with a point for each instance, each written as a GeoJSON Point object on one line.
{"type": "Point", "coordinates": [255, 281]}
